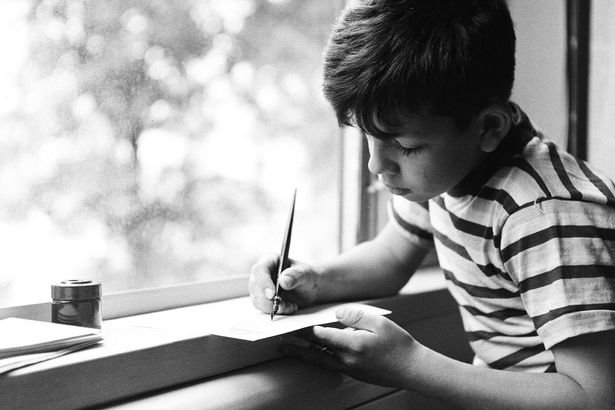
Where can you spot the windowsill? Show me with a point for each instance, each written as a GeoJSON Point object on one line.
{"type": "Point", "coordinates": [149, 353]}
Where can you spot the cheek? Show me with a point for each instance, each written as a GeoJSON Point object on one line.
{"type": "Point", "coordinates": [434, 174]}
{"type": "Point", "coordinates": [421, 176]}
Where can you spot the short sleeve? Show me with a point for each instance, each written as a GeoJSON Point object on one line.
{"type": "Point", "coordinates": [412, 220]}
{"type": "Point", "coordinates": [561, 255]}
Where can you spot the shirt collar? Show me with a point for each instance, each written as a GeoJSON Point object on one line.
{"type": "Point", "coordinates": [517, 138]}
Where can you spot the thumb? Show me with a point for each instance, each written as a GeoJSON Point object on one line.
{"type": "Point", "coordinates": [353, 316]}
{"type": "Point", "coordinates": [294, 277]}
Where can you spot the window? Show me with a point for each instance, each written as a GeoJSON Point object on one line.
{"type": "Point", "coordinates": [601, 144]}
{"type": "Point", "coordinates": [152, 143]}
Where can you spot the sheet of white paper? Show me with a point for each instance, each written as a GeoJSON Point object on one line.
{"type": "Point", "coordinates": [235, 318]}
{"type": "Point", "coordinates": [17, 362]}
{"type": "Point", "coordinates": [243, 321]}
{"type": "Point", "coordinates": [21, 336]}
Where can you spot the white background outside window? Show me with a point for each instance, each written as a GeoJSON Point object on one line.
{"type": "Point", "coordinates": [147, 144]}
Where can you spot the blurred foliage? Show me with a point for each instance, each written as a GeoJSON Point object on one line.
{"type": "Point", "coordinates": [155, 124]}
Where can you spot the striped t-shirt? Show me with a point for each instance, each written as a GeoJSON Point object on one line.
{"type": "Point", "coordinates": [527, 245]}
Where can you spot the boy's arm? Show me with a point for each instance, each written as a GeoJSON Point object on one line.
{"type": "Point", "coordinates": [380, 352]}
{"type": "Point", "coordinates": [376, 268]}
{"type": "Point", "coordinates": [584, 380]}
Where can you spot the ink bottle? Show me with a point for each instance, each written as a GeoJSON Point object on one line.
{"type": "Point", "coordinates": [76, 302]}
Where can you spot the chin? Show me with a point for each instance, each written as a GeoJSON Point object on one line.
{"type": "Point", "coordinates": [414, 197]}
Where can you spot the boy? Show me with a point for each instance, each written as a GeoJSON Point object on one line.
{"type": "Point", "coordinates": [524, 232]}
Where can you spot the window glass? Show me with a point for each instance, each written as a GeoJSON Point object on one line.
{"type": "Point", "coordinates": [601, 144]}
{"type": "Point", "coordinates": [148, 143]}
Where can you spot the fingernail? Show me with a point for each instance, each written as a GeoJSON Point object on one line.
{"type": "Point", "coordinates": [340, 313]}
{"type": "Point", "coordinates": [286, 281]}
{"type": "Point", "coordinates": [269, 293]}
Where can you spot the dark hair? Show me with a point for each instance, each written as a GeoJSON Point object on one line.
{"type": "Point", "coordinates": [387, 58]}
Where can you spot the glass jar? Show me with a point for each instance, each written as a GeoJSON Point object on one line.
{"type": "Point", "coordinates": [76, 302]}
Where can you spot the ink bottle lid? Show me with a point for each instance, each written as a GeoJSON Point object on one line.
{"type": "Point", "coordinates": [75, 289]}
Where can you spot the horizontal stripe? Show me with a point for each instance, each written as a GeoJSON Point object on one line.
{"type": "Point", "coordinates": [480, 291]}
{"type": "Point", "coordinates": [598, 183]}
{"type": "Point", "coordinates": [500, 196]}
{"type": "Point", "coordinates": [557, 231]}
{"type": "Point", "coordinates": [567, 272]}
{"type": "Point", "coordinates": [492, 270]}
{"type": "Point", "coordinates": [522, 164]}
{"type": "Point", "coordinates": [501, 314]}
{"type": "Point", "coordinates": [488, 270]}
{"type": "Point", "coordinates": [551, 368]}
{"type": "Point", "coordinates": [471, 228]}
{"type": "Point", "coordinates": [516, 357]}
{"type": "Point", "coordinates": [452, 245]}
{"type": "Point", "coordinates": [541, 320]}
{"type": "Point", "coordinates": [440, 202]}
{"type": "Point", "coordinates": [561, 172]}
{"type": "Point", "coordinates": [413, 229]}
{"type": "Point", "coordinates": [483, 335]}
{"type": "Point", "coordinates": [463, 225]}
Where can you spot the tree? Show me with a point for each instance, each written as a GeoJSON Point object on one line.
{"type": "Point", "coordinates": [150, 97]}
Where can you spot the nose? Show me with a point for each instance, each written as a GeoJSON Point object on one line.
{"type": "Point", "coordinates": [380, 160]}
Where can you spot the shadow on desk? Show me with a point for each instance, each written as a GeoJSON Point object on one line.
{"type": "Point", "coordinates": [285, 383]}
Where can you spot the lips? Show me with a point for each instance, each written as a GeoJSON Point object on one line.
{"type": "Point", "coordinates": [398, 191]}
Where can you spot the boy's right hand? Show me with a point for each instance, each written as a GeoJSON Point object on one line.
{"type": "Point", "coordinates": [299, 284]}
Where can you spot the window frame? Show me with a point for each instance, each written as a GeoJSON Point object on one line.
{"type": "Point", "coordinates": [134, 302]}
{"type": "Point", "coordinates": [578, 27]}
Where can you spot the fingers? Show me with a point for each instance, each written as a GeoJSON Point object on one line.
{"type": "Point", "coordinates": [316, 354]}
{"type": "Point", "coordinates": [334, 339]}
{"type": "Point", "coordinates": [356, 321]}
{"type": "Point", "coordinates": [260, 285]}
{"type": "Point", "coordinates": [286, 308]}
{"type": "Point", "coordinates": [265, 304]}
{"type": "Point", "coordinates": [327, 347]}
{"type": "Point", "coordinates": [354, 317]}
{"type": "Point", "coordinates": [351, 316]}
{"type": "Point", "coordinates": [295, 277]}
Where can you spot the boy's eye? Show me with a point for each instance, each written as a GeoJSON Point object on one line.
{"type": "Point", "coordinates": [407, 150]}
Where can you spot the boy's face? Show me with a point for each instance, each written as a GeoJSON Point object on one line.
{"type": "Point", "coordinates": [429, 155]}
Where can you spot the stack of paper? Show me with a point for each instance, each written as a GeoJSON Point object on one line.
{"type": "Point", "coordinates": [24, 342]}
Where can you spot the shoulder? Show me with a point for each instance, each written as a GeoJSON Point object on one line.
{"type": "Point", "coordinates": [546, 193]}
{"type": "Point", "coordinates": [544, 176]}
{"type": "Point", "coordinates": [548, 205]}
{"type": "Point", "coordinates": [544, 171]}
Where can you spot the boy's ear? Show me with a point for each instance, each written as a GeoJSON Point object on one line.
{"type": "Point", "coordinates": [494, 122]}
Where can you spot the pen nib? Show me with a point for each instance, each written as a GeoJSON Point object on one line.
{"type": "Point", "coordinates": [275, 307]}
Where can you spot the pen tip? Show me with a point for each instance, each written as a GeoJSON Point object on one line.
{"type": "Point", "coordinates": [275, 306]}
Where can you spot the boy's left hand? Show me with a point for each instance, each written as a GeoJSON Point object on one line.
{"type": "Point", "coordinates": [371, 348]}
